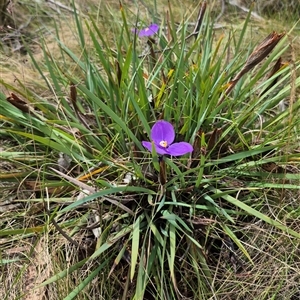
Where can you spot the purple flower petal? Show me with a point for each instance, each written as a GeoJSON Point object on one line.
{"type": "Point", "coordinates": [162, 131]}
{"type": "Point", "coordinates": [148, 31]}
{"type": "Point", "coordinates": [159, 150]}
{"type": "Point", "coordinates": [178, 149]}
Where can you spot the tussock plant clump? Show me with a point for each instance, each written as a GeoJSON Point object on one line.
{"type": "Point", "coordinates": [165, 166]}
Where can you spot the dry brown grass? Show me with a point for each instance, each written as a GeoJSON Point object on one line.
{"type": "Point", "coordinates": [276, 259]}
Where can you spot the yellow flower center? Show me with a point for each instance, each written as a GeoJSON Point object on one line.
{"type": "Point", "coordinates": [164, 144]}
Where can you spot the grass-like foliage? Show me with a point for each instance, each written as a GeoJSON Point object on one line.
{"type": "Point", "coordinates": [164, 227]}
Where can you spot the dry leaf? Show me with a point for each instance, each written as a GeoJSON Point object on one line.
{"type": "Point", "coordinates": [278, 65]}
{"type": "Point", "coordinates": [19, 103]}
{"type": "Point", "coordinates": [258, 54]}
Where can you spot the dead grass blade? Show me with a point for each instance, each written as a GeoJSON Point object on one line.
{"type": "Point", "coordinates": [92, 191]}
{"type": "Point", "coordinates": [258, 54]}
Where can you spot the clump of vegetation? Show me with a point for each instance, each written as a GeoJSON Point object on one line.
{"type": "Point", "coordinates": [164, 166]}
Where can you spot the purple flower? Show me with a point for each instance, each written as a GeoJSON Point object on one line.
{"type": "Point", "coordinates": [148, 31]}
{"type": "Point", "coordinates": [163, 135]}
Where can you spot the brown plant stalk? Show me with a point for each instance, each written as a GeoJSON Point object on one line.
{"type": "Point", "coordinates": [258, 54]}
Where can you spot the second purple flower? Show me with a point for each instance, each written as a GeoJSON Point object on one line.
{"type": "Point", "coordinates": [148, 31]}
